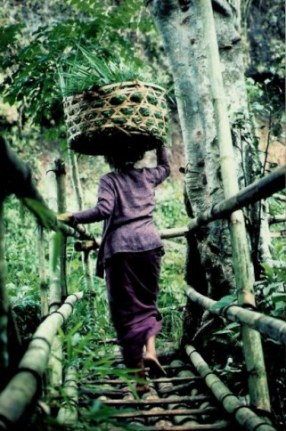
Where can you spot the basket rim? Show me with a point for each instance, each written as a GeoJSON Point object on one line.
{"type": "Point", "coordinates": [135, 83]}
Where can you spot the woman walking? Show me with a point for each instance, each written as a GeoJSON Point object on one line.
{"type": "Point", "coordinates": [130, 253]}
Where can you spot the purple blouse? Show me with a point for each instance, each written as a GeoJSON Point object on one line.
{"type": "Point", "coordinates": [126, 201]}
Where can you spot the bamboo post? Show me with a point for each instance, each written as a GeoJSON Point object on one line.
{"type": "Point", "coordinates": [60, 172]}
{"type": "Point", "coordinates": [243, 414]}
{"type": "Point", "coordinates": [68, 413]}
{"type": "Point", "coordinates": [4, 357]}
{"type": "Point", "coordinates": [76, 180]}
{"type": "Point", "coordinates": [22, 389]}
{"type": "Point", "coordinates": [88, 287]}
{"type": "Point", "coordinates": [55, 371]}
{"type": "Point", "coordinates": [44, 289]}
{"type": "Point", "coordinates": [88, 276]}
{"type": "Point", "coordinates": [243, 268]}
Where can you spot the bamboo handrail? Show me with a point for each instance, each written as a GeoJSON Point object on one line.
{"type": "Point", "coordinates": [20, 391]}
{"type": "Point", "coordinates": [243, 414]}
{"type": "Point", "coordinates": [255, 191]}
{"type": "Point", "coordinates": [47, 218]}
{"type": "Point", "coordinates": [260, 189]}
{"type": "Point", "coordinates": [267, 325]}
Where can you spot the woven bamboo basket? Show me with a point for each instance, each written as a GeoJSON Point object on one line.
{"type": "Point", "coordinates": [115, 116]}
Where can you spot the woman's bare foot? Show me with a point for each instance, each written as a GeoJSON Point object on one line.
{"type": "Point", "coordinates": [151, 359]}
{"type": "Point", "coordinates": [155, 368]}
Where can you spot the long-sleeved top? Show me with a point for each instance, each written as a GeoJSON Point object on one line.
{"type": "Point", "coordinates": [126, 201]}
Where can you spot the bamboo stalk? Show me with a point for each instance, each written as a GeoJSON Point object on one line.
{"type": "Point", "coordinates": [55, 371]}
{"type": "Point", "coordinates": [47, 218]}
{"type": "Point", "coordinates": [44, 291]}
{"type": "Point", "coordinates": [277, 219]}
{"type": "Point", "coordinates": [281, 198]}
{"type": "Point", "coordinates": [159, 401]}
{"type": "Point", "coordinates": [60, 171]}
{"type": "Point", "coordinates": [4, 357]}
{"type": "Point", "coordinates": [68, 413]}
{"type": "Point", "coordinates": [75, 180]}
{"type": "Point", "coordinates": [22, 388]}
{"type": "Point", "coordinates": [174, 412]}
{"type": "Point", "coordinates": [279, 234]}
{"type": "Point", "coordinates": [205, 427]}
{"type": "Point", "coordinates": [159, 380]}
{"type": "Point", "coordinates": [243, 414]}
{"type": "Point", "coordinates": [257, 190]}
{"type": "Point", "coordinates": [243, 268]}
{"type": "Point", "coordinates": [267, 325]}
{"type": "Point", "coordinates": [88, 276]}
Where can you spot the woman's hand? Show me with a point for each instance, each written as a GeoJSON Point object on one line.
{"type": "Point", "coordinates": [65, 217]}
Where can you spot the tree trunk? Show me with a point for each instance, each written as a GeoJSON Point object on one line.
{"type": "Point", "coordinates": [209, 267]}
{"type": "Point", "coordinates": [211, 160]}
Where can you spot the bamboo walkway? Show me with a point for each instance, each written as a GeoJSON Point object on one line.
{"type": "Point", "coordinates": [179, 402]}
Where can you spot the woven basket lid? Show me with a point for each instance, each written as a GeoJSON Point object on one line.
{"type": "Point", "coordinates": [116, 115]}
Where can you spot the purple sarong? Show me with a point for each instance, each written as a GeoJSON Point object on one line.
{"type": "Point", "coordinates": [133, 285]}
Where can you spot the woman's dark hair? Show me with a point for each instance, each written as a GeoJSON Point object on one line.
{"type": "Point", "coordinates": [125, 158]}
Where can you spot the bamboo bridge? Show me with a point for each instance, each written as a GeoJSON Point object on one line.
{"type": "Point", "coordinates": [192, 397]}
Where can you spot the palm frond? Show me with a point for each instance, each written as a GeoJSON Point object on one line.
{"type": "Point", "coordinates": [91, 70]}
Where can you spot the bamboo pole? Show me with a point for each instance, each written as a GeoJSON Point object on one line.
{"type": "Point", "coordinates": [281, 198]}
{"type": "Point", "coordinates": [243, 269]}
{"type": "Point", "coordinates": [20, 392]}
{"type": "Point", "coordinates": [255, 191]}
{"type": "Point", "coordinates": [243, 414]}
{"type": "Point", "coordinates": [44, 290]}
{"type": "Point", "coordinates": [68, 413]}
{"type": "Point", "coordinates": [88, 275]}
{"type": "Point", "coordinates": [174, 412]}
{"type": "Point", "coordinates": [267, 325]}
{"type": "Point", "coordinates": [158, 401]}
{"type": "Point", "coordinates": [76, 180]}
{"type": "Point", "coordinates": [4, 357]}
{"type": "Point", "coordinates": [60, 171]}
{"type": "Point", "coordinates": [55, 370]}
{"type": "Point", "coordinates": [277, 219]}
{"type": "Point", "coordinates": [219, 425]}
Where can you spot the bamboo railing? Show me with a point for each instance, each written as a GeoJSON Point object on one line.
{"type": "Point", "coordinates": [242, 413]}
{"type": "Point", "coordinates": [267, 325]}
{"type": "Point", "coordinates": [19, 393]}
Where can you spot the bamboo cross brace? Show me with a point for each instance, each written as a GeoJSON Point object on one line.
{"type": "Point", "coordinates": [174, 412]}
{"type": "Point", "coordinates": [23, 387]}
{"type": "Point", "coordinates": [219, 425]}
{"type": "Point", "coordinates": [274, 328]}
{"type": "Point", "coordinates": [159, 380]}
{"type": "Point", "coordinates": [159, 401]}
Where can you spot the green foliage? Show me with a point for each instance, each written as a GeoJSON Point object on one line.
{"type": "Point", "coordinates": [271, 290]}
{"type": "Point", "coordinates": [170, 211]}
{"type": "Point", "coordinates": [30, 59]}
{"type": "Point", "coordinates": [90, 71]}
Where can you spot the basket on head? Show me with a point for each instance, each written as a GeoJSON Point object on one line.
{"type": "Point", "coordinates": [116, 115]}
